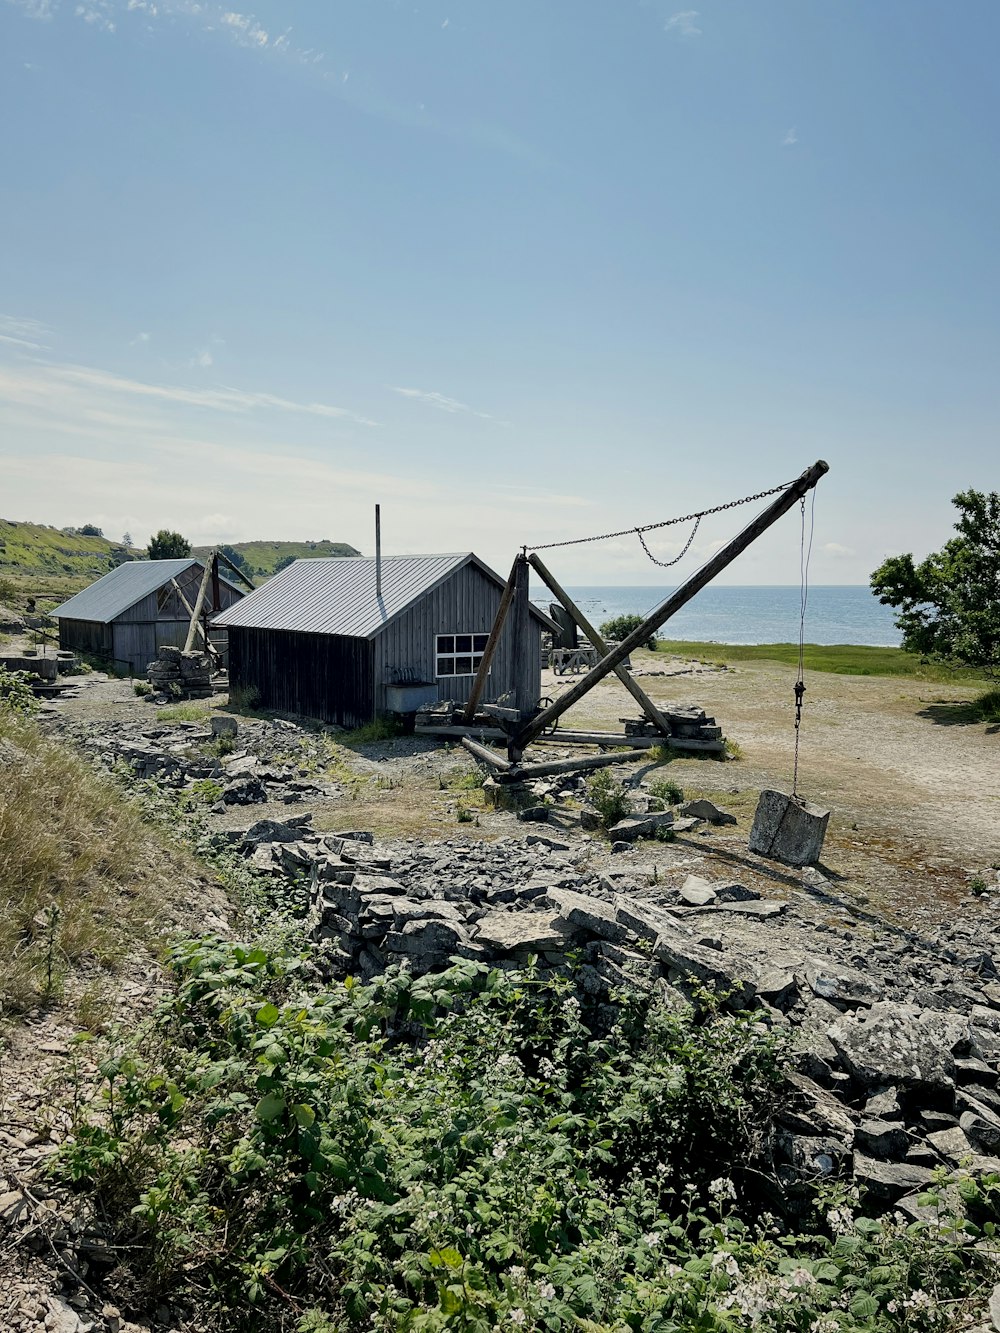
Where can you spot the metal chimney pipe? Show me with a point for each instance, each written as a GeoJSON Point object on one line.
{"type": "Point", "coordinates": [378, 551]}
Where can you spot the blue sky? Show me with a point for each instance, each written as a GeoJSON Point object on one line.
{"type": "Point", "coordinates": [519, 271]}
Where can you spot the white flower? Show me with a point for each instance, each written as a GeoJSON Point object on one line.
{"type": "Point", "coordinates": [518, 1316]}
{"type": "Point", "coordinates": [547, 1291]}
{"type": "Point", "coordinates": [652, 1239]}
{"type": "Point", "coordinates": [722, 1188]}
{"type": "Point", "coordinates": [500, 1150]}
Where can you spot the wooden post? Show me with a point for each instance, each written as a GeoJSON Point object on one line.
{"type": "Point", "coordinates": [491, 645]}
{"type": "Point", "coordinates": [216, 590]}
{"type": "Point", "coordinates": [639, 695]}
{"type": "Point", "coordinates": [674, 602]}
{"type": "Point", "coordinates": [525, 690]}
{"type": "Point", "coordinates": [199, 603]}
{"type": "Point", "coordinates": [485, 756]}
{"type": "Point", "coordinates": [525, 772]}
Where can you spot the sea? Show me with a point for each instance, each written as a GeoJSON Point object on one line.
{"type": "Point", "coordinates": [730, 614]}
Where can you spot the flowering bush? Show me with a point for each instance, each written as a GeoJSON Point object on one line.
{"type": "Point", "coordinates": [462, 1151]}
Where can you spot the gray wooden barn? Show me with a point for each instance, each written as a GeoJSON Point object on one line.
{"type": "Point", "coordinates": [126, 615]}
{"type": "Point", "coordinates": [320, 640]}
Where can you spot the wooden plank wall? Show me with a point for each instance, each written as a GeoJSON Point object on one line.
{"type": "Point", "coordinates": [85, 636]}
{"type": "Point", "coordinates": [325, 676]}
{"type": "Point", "coordinates": [464, 604]}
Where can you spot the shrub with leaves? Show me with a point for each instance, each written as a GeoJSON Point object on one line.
{"type": "Point", "coordinates": [620, 627]}
{"type": "Point", "coordinates": [465, 1151]}
{"type": "Point", "coordinates": [609, 797]}
{"type": "Point", "coordinates": [16, 694]}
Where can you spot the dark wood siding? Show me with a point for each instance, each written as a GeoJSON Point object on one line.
{"type": "Point", "coordinates": [85, 636]}
{"type": "Point", "coordinates": [466, 603]}
{"type": "Point", "coordinates": [325, 676]}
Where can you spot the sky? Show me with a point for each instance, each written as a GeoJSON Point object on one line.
{"type": "Point", "coordinates": [520, 272]}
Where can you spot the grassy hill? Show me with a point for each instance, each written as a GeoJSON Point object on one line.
{"type": "Point", "coordinates": [50, 564]}
{"type": "Point", "coordinates": [264, 556]}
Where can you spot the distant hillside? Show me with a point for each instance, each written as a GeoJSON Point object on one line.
{"type": "Point", "coordinates": [264, 557]}
{"type": "Point", "coordinates": [50, 563]}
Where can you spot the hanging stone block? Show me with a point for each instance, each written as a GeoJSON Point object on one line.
{"type": "Point", "coordinates": [786, 828]}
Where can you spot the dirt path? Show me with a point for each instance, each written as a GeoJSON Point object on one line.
{"type": "Point", "coordinates": [915, 801]}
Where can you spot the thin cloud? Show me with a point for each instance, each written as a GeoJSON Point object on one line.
{"type": "Point", "coordinates": [683, 23]}
{"type": "Point", "coordinates": [35, 9]}
{"type": "Point", "coordinates": [37, 386]}
{"type": "Point", "coordinates": [440, 401]}
{"type": "Point", "coordinates": [139, 339]}
{"type": "Point", "coordinates": [791, 138]}
{"type": "Point", "coordinates": [27, 333]}
{"type": "Point", "coordinates": [835, 549]}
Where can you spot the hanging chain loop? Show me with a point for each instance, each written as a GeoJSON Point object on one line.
{"type": "Point", "coordinates": [665, 564]}
{"type": "Point", "coordinates": [666, 523]}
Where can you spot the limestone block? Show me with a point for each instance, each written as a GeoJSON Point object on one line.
{"type": "Point", "coordinates": [788, 829]}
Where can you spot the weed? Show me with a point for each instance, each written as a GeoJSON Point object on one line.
{"type": "Point", "coordinates": [244, 698]}
{"type": "Point", "coordinates": [666, 789]}
{"type": "Point", "coordinates": [381, 729]}
{"type": "Point", "coordinates": [987, 706]}
{"type": "Point", "coordinates": [978, 886]}
{"type": "Point", "coordinates": [142, 688]}
{"type": "Point", "coordinates": [205, 791]}
{"type": "Point", "coordinates": [608, 797]}
{"type": "Point", "coordinates": [733, 750]}
{"type": "Point", "coordinates": [16, 695]}
{"type": "Point", "coordinates": [464, 815]}
{"type": "Point", "coordinates": [183, 713]}
{"type": "Point", "coordinates": [466, 781]}
{"type": "Point", "coordinates": [664, 833]}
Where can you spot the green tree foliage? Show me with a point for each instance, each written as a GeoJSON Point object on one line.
{"type": "Point", "coordinates": [621, 626]}
{"type": "Point", "coordinates": [284, 562]}
{"type": "Point", "coordinates": [948, 605]}
{"type": "Point", "coordinates": [168, 545]}
{"type": "Point", "coordinates": [237, 558]}
{"type": "Point", "coordinates": [91, 530]}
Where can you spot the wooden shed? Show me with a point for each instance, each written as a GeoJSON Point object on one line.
{"type": "Point", "coordinates": [319, 639]}
{"type": "Point", "coordinates": [125, 616]}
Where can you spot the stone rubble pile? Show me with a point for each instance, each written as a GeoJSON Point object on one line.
{"type": "Point", "coordinates": [895, 1038]}
{"type": "Point", "coordinates": [180, 675]}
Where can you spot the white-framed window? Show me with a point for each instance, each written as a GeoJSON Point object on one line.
{"type": "Point", "coordinates": [458, 654]}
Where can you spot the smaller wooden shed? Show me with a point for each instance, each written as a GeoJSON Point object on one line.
{"type": "Point", "coordinates": [125, 616]}
{"type": "Point", "coordinates": [321, 640]}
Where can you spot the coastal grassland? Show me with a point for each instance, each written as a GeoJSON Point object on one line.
{"type": "Point", "coordinates": [84, 879]}
{"type": "Point", "coordinates": [843, 659]}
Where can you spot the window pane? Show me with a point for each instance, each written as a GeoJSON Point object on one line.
{"type": "Point", "coordinates": [446, 643]}
{"type": "Point", "coordinates": [463, 666]}
{"type": "Point", "coordinates": [463, 643]}
{"type": "Point", "coordinates": [479, 642]}
{"type": "Point", "coordinates": [446, 666]}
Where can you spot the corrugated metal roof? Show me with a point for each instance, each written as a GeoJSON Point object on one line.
{"type": "Point", "coordinates": [123, 587]}
{"type": "Point", "coordinates": [336, 594]}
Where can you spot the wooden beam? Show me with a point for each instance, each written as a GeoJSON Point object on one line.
{"type": "Point", "coordinates": [485, 756]}
{"type": "Point", "coordinates": [674, 602]}
{"type": "Point", "coordinates": [199, 603]}
{"type": "Point", "coordinates": [216, 591]}
{"type": "Point", "coordinates": [525, 690]}
{"type": "Point", "coordinates": [625, 676]}
{"type": "Point", "coordinates": [453, 733]}
{"type": "Point", "coordinates": [525, 772]}
{"type": "Point", "coordinates": [236, 570]}
{"type": "Point", "coordinates": [479, 684]}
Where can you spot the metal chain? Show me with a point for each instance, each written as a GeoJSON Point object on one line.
{"type": "Point", "coordinates": [665, 564]}
{"type": "Point", "coordinates": [805, 551]}
{"type": "Point", "coordinates": [667, 522]}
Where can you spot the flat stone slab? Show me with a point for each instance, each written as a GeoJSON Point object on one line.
{"type": "Point", "coordinates": [788, 829]}
{"type": "Point", "coordinates": [901, 1045]}
{"type": "Point", "coordinates": [646, 826]}
{"type": "Point", "coordinates": [518, 932]}
{"type": "Point", "coordinates": [589, 914]}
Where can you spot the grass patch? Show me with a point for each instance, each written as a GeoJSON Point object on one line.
{"type": "Point", "coordinates": [667, 790]}
{"type": "Point", "coordinates": [987, 706]}
{"type": "Point", "coordinates": [184, 713]}
{"type": "Point", "coordinates": [842, 659]}
{"type": "Point", "coordinates": [381, 729]}
{"type": "Point", "coordinates": [84, 877]}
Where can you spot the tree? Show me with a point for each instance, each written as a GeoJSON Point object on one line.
{"type": "Point", "coordinates": [236, 558]}
{"type": "Point", "coordinates": [168, 545]}
{"type": "Point", "coordinates": [283, 563]}
{"type": "Point", "coordinates": [126, 539]}
{"type": "Point", "coordinates": [91, 530]}
{"type": "Point", "coordinates": [949, 604]}
{"type": "Point", "coordinates": [622, 626]}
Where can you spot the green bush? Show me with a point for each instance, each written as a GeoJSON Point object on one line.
{"type": "Point", "coordinates": [608, 797]}
{"type": "Point", "coordinates": [619, 627]}
{"type": "Point", "coordinates": [666, 789]}
{"type": "Point", "coordinates": [16, 694]}
{"type": "Point", "coordinates": [466, 1151]}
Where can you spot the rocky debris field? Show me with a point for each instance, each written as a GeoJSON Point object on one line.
{"type": "Point", "coordinates": [895, 1036]}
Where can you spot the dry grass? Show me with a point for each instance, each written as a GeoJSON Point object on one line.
{"type": "Point", "coordinates": [83, 879]}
